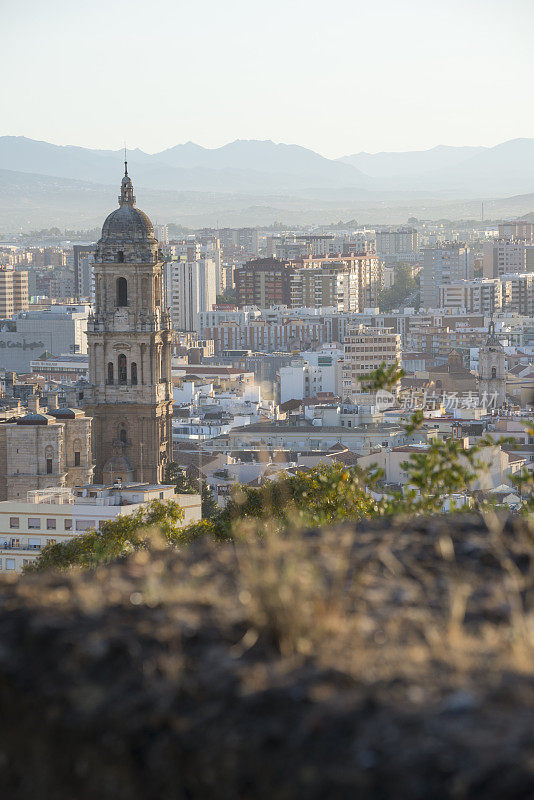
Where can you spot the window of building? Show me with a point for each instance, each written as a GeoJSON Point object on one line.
{"type": "Point", "coordinates": [122, 292]}
{"type": "Point", "coordinates": [15, 543]}
{"type": "Point", "coordinates": [1, 562]}
{"type": "Point", "coordinates": [10, 563]}
{"type": "Point", "coordinates": [34, 543]}
{"type": "Point", "coordinates": [123, 435]}
{"type": "Point", "coordinates": [493, 372]}
{"type": "Point", "coordinates": [14, 522]}
{"type": "Point", "coordinates": [133, 370]}
{"type": "Point", "coordinates": [110, 372]}
{"type": "Point", "coordinates": [84, 524]}
{"type": "Point", "coordinates": [34, 522]}
{"type": "Point", "coordinates": [123, 369]}
{"type": "Point", "coordinates": [76, 458]}
{"type": "Point", "coordinates": [48, 466]}
{"type": "Point", "coordinates": [67, 524]}
{"type": "Point", "coordinates": [50, 524]}
{"type": "Point", "coordinates": [120, 257]}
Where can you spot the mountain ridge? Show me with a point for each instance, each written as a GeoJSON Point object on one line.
{"type": "Point", "coordinates": [264, 167]}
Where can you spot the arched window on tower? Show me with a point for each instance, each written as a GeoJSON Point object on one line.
{"type": "Point", "coordinates": [123, 369]}
{"type": "Point", "coordinates": [133, 372]}
{"type": "Point", "coordinates": [494, 372]}
{"type": "Point", "coordinates": [110, 372]}
{"type": "Point", "coordinates": [122, 292]}
{"type": "Point", "coordinates": [122, 435]}
{"type": "Point", "coordinates": [120, 257]}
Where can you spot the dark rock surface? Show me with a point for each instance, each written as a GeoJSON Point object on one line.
{"type": "Point", "coordinates": [392, 659]}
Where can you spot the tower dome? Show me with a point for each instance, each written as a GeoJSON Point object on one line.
{"type": "Point", "coordinates": [127, 233]}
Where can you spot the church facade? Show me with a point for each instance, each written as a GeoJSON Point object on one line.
{"type": "Point", "coordinates": [129, 345]}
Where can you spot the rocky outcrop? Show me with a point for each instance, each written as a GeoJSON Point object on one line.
{"type": "Point", "coordinates": [387, 660]}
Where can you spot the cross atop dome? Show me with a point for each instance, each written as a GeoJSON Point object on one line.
{"type": "Point", "coordinates": [127, 197]}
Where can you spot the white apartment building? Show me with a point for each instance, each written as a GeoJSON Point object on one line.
{"type": "Point", "coordinates": [161, 232]}
{"type": "Point", "coordinates": [191, 287]}
{"type": "Point", "coordinates": [311, 373]}
{"type": "Point", "coordinates": [365, 350]}
{"type": "Point", "coordinates": [58, 514]}
{"type": "Point", "coordinates": [479, 296]}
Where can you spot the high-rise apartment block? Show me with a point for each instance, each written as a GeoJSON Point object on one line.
{"type": "Point", "coordinates": [161, 232]}
{"type": "Point", "coordinates": [503, 256]}
{"type": "Point", "coordinates": [482, 296]}
{"type": "Point", "coordinates": [331, 285]}
{"type": "Point", "coordinates": [513, 292]}
{"type": "Point", "coordinates": [444, 264]}
{"type": "Point", "coordinates": [517, 230]}
{"type": "Point", "coordinates": [396, 242]}
{"type": "Point", "coordinates": [13, 292]}
{"type": "Point", "coordinates": [366, 349]}
{"type": "Point", "coordinates": [238, 244]}
{"type": "Point", "coordinates": [264, 282]}
{"type": "Point", "coordinates": [84, 273]}
{"type": "Point", "coordinates": [348, 283]}
{"type": "Point", "coordinates": [190, 287]}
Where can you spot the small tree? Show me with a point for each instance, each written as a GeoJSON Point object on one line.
{"type": "Point", "coordinates": [210, 507]}
{"type": "Point", "coordinates": [176, 474]}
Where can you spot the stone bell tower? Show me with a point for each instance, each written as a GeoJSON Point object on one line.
{"type": "Point", "coordinates": [492, 370]}
{"type": "Point", "coordinates": [129, 343]}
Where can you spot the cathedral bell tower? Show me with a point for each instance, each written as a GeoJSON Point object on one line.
{"type": "Point", "coordinates": [129, 343]}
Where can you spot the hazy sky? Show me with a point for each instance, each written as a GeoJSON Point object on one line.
{"type": "Point", "coordinates": [339, 76]}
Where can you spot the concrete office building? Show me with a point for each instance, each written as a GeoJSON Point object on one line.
{"type": "Point", "coordinates": [56, 330]}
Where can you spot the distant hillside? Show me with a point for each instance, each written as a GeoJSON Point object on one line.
{"type": "Point", "coordinates": [410, 164]}
{"type": "Point", "coordinates": [505, 169]}
{"type": "Point", "coordinates": [32, 201]}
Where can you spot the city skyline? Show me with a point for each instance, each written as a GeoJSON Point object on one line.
{"type": "Point", "coordinates": [390, 78]}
